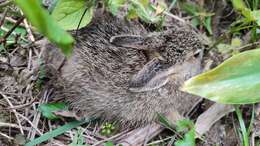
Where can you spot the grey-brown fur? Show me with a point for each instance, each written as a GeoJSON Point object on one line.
{"type": "Point", "coordinates": [96, 79]}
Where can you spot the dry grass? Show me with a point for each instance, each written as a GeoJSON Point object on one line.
{"type": "Point", "coordinates": [21, 121]}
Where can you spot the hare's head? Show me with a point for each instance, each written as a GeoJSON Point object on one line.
{"type": "Point", "coordinates": [168, 58]}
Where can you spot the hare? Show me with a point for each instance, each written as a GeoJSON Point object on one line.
{"type": "Point", "coordinates": [119, 71]}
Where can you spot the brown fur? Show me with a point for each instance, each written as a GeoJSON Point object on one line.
{"type": "Point", "coordinates": [96, 77]}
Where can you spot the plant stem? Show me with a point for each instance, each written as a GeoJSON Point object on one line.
{"type": "Point", "coordinates": [251, 120]}
{"type": "Point", "coordinates": [242, 126]}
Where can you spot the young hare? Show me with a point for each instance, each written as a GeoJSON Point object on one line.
{"type": "Point", "coordinates": [120, 72]}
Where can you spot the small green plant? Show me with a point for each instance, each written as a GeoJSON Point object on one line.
{"type": "Point", "coordinates": [185, 127]}
{"type": "Point", "coordinates": [107, 129]}
{"type": "Point", "coordinates": [78, 139]}
{"type": "Point", "coordinates": [250, 17]}
{"type": "Point", "coordinates": [18, 36]}
{"type": "Point", "coordinates": [201, 18]}
{"type": "Point", "coordinates": [48, 109]}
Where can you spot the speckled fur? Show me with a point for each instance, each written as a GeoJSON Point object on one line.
{"type": "Point", "coordinates": [96, 77]}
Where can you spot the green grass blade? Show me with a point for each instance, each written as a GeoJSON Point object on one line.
{"type": "Point", "coordinates": [242, 126]}
{"type": "Point", "coordinates": [57, 132]}
{"type": "Point", "coordinates": [251, 120]}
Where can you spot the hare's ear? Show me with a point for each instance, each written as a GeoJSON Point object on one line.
{"type": "Point", "coordinates": [131, 41]}
{"type": "Point", "coordinates": [152, 76]}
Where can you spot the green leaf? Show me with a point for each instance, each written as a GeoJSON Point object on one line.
{"type": "Point", "coordinates": [239, 5]}
{"type": "Point", "coordinates": [235, 81]}
{"type": "Point", "coordinates": [248, 15]}
{"type": "Point", "coordinates": [145, 3]}
{"type": "Point", "coordinates": [52, 5]}
{"type": "Point", "coordinates": [251, 16]}
{"type": "Point", "coordinates": [188, 140]}
{"type": "Point", "coordinates": [256, 15]}
{"type": "Point", "coordinates": [207, 24]}
{"type": "Point", "coordinates": [190, 8]}
{"type": "Point", "coordinates": [48, 109]}
{"type": "Point", "coordinates": [195, 21]}
{"type": "Point", "coordinates": [109, 143]}
{"type": "Point", "coordinates": [46, 25]}
{"type": "Point", "coordinates": [143, 12]}
{"type": "Point", "coordinates": [57, 132]}
{"type": "Point", "coordinates": [189, 137]}
{"type": "Point", "coordinates": [131, 12]}
{"type": "Point", "coordinates": [183, 125]}
{"type": "Point", "coordinates": [165, 122]}
{"type": "Point", "coordinates": [68, 13]}
{"type": "Point", "coordinates": [114, 5]}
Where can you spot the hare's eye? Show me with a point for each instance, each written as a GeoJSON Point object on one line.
{"type": "Point", "coordinates": [198, 53]}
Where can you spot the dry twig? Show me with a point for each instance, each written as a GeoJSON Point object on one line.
{"type": "Point", "coordinates": [14, 111]}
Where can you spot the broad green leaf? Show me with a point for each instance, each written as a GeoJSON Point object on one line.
{"type": "Point", "coordinates": [114, 5]}
{"type": "Point", "coordinates": [68, 13]}
{"type": "Point", "coordinates": [235, 81]}
{"type": "Point", "coordinates": [57, 132]}
{"type": "Point", "coordinates": [46, 25]}
{"type": "Point", "coordinates": [48, 109]}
